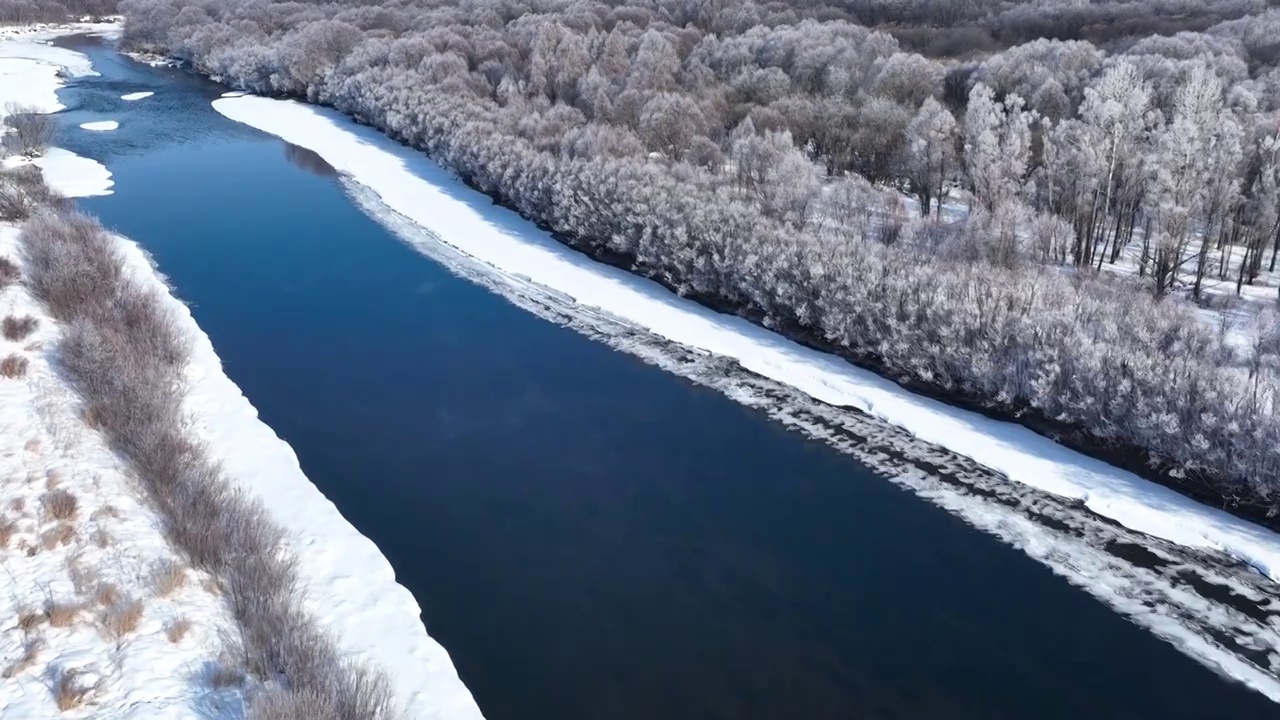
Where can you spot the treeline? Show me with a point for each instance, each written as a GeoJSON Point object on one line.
{"type": "Point", "coordinates": [756, 163]}
{"type": "Point", "coordinates": [19, 12]}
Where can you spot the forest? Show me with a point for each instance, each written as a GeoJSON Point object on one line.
{"type": "Point", "coordinates": [1020, 206]}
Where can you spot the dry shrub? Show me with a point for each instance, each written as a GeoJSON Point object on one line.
{"type": "Point", "coordinates": [73, 688]}
{"type": "Point", "coordinates": [101, 538]}
{"type": "Point", "coordinates": [120, 618]}
{"type": "Point", "coordinates": [30, 653]}
{"type": "Point", "coordinates": [61, 534]}
{"type": "Point", "coordinates": [167, 576]}
{"type": "Point", "coordinates": [108, 595]}
{"type": "Point", "coordinates": [224, 675]}
{"type": "Point", "coordinates": [8, 273]}
{"type": "Point", "coordinates": [29, 620]}
{"type": "Point", "coordinates": [18, 504]}
{"type": "Point", "coordinates": [16, 329]}
{"type": "Point", "coordinates": [60, 504]}
{"type": "Point", "coordinates": [106, 511]}
{"type": "Point", "coordinates": [62, 614]}
{"type": "Point", "coordinates": [14, 366]}
{"type": "Point", "coordinates": [177, 629]}
{"type": "Point", "coordinates": [7, 529]}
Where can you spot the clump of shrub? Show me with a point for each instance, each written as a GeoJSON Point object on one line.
{"type": "Point", "coordinates": [8, 272]}
{"type": "Point", "coordinates": [14, 366]}
{"type": "Point", "coordinates": [60, 504]}
{"type": "Point", "coordinates": [16, 328]}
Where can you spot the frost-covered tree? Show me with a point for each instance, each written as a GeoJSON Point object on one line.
{"type": "Point", "coordinates": [930, 147]}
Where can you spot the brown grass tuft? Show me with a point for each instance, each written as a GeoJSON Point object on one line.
{"type": "Point", "coordinates": [15, 328]}
{"type": "Point", "coordinates": [62, 614]}
{"type": "Point", "coordinates": [167, 576]}
{"type": "Point", "coordinates": [120, 619]}
{"type": "Point", "coordinates": [18, 504]}
{"type": "Point", "coordinates": [107, 595]}
{"type": "Point", "coordinates": [106, 511]}
{"type": "Point", "coordinates": [7, 529]}
{"type": "Point", "coordinates": [29, 620]}
{"type": "Point", "coordinates": [30, 652]}
{"type": "Point", "coordinates": [8, 273]}
{"type": "Point", "coordinates": [101, 538]}
{"type": "Point", "coordinates": [72, 689]}
{"type": "Point", "coordinates": [14, 366]}
{"type": "Point", "coordinates": [61, 534]}
{"type": "Point", "coordinates": [177, 629]}
{"type": "Point", "coordinates": [60, 504]}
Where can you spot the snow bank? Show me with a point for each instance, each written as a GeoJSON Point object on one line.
{"type": "Point", "coordinates": [136, 96]}
{"type": "Point", "coordinates": [100, 125]}
{"type": "Point", "coordinates": [68, 173]}
{"type": "Point", "coordinates": [423, 192]}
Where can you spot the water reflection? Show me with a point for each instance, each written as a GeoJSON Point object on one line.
{"type": "Point", "coordinates": [308, 160]}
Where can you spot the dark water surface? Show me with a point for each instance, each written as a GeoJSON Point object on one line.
{"type": "Point", "coordinates": [589, 536]}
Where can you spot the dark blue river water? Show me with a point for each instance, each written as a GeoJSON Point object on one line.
{"type": "Point", "coordinates": [589, 536]}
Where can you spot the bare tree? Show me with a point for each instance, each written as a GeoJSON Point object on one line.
{"type": "Point", "coordinates": [30, 132]}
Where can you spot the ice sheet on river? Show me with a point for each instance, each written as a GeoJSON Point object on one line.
{"type": "Point", "coordinates": [1172, 583]}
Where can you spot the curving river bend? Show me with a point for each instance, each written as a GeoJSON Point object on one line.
{"type": "Point", "coordinates": [593, 536]}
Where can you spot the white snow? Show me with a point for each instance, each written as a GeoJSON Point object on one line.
{"type": "Point", "coordinates": [136, 96]}
{"type": "Point", "coordinates": [414, 186]}
{"type": "Point", "coordinates": [234, 94]}
{"type": "Point", "coordinates": [100, 125]}
{"type": "Point", "coordinates": [69, 173]}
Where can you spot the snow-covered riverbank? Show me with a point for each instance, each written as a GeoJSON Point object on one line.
{"type": "Point", "coordinates": [412, 185]}
{"type": "Point", "coordinates": [349, 586]}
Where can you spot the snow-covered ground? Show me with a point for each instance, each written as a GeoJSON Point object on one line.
{"type": "Point", "coordinates": [45, 445]}
{"type": "Point", "coordinates": [413, 186]}
{"type": "Point", "coordinates": [93, 598]}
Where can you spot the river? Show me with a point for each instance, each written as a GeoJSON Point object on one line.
{"type": "Point", "coordinates": [589, 535]}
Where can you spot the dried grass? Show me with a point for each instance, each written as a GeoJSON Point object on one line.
{"type": "Point", "coordinates": [30, 653]}
{"type": "Point", "coordinates": [62, 614]}
{"type": "Point", "coordinates": [167, 576]}
{"type": "Point", "coordinates": [177, 629]}
{"type": "Point", "coordinates": [60, 504]}
{"type": "Point", "coordinates": [8, 273]}
{"type": "Point", "coordinates": [120, 619]}
{"type": "Point", "coordinates": [29, 620]}
{"type": "Point", "coordinates": [7, 529]}
{"type": "Point", "coordinates": [72, 689]}
{"type": "Point", "coordinates": [14, 366]}
{"type": "Point", "coordinates": [16, 329]}
{"type": "Point", "coordinates": [61, 534]}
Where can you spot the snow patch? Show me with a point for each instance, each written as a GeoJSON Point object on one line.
{"type": "Point", "coordinates": [136, 96]}
{"type": "Point", "coordinates": [100, 125]}
{"type": "Point", "coordinates": [408, 182]}
{"type": "Point", "coordinates": [234, 94]}
{"type": "Point", "coordinates": [68, 173]}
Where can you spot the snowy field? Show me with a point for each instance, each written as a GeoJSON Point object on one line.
{"type": "Point", "coordinates": [164, 664]}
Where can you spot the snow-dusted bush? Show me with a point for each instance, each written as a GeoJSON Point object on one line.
{"type": "Point", "coordinates": [125, 353]}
